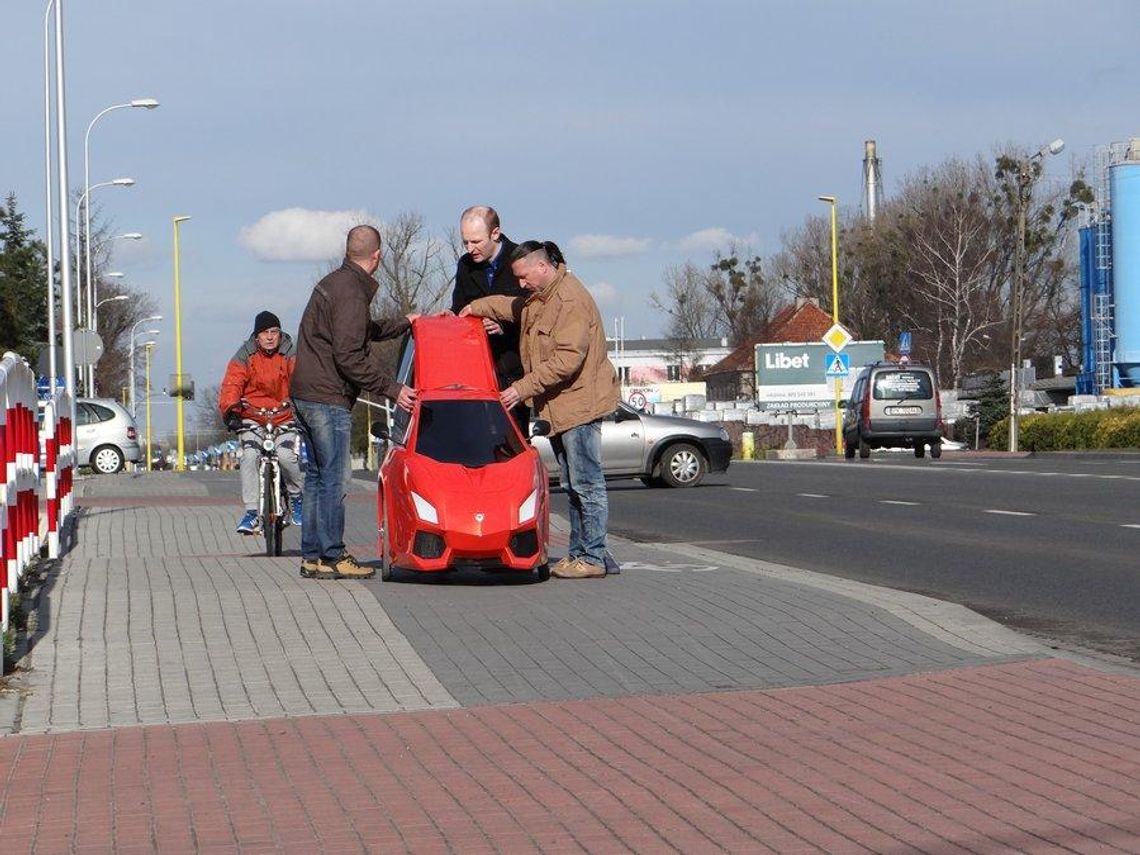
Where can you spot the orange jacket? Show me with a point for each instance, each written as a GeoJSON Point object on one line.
{"type": "Point", "coordinates": [261, 379]}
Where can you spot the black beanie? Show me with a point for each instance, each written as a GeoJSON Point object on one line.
{"type": "Point", "coordinates": [265, 321]}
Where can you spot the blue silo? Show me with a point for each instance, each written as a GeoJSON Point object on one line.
{"type": "Point", "coordinates": [1125, 184]}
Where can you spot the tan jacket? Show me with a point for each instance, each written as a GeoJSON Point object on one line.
{"type": "Point", "coordinates": [569, 377]}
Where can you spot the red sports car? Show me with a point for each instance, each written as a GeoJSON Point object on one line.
{"type": "Point", "coordinates": [460, 487]}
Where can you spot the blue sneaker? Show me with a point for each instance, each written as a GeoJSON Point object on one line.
{"type": "Point", "coordinates": [248, 523]}
{"type": "Point", "coordinates": [295, 504]}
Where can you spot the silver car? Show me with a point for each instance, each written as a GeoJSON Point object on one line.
{"type": "Point", "coordinates": [660, 450]}
{"type": "Point", "coordinates": [893, 405]}
{"type": "Point", "coordinates": [106, 436]}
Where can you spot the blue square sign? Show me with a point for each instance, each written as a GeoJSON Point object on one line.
{"type": "Point", "coordinates": [838, 364]}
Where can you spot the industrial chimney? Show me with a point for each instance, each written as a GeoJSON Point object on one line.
{"type": "Point", "coordinates": [872, 180]}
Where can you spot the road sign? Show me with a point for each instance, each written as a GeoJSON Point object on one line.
{"type": "Point", "coordinates": [838, 365]}
{"type": "Point", "coordinates": [836, 338]}
{"type": "Point", "coordinates": [904, 343]}
{"type": "Point", "coordinates": [86, 346]}
{"type": "Point", "coordinates": [44, 387]}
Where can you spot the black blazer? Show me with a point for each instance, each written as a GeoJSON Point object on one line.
{"type": "Point", "coordinates": [470, 284]}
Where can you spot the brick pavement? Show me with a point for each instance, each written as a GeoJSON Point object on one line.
{"type": "Point", "coordinates": [1039, 756]}
{"type": "Point", "coordinates": [695, 703]}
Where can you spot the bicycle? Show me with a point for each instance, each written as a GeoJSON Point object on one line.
{"type": "Point", "coordinates": [273, 499]}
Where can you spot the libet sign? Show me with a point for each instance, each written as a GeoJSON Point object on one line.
{"type": "Point", "coordinates": [794, 376]}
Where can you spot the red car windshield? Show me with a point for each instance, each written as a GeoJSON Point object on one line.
{"type": "Point", "coordinates": [470, 433]}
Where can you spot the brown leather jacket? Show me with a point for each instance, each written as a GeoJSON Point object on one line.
{"type": "Point", "coordinates": [569, 376]}
{"type": "Point", "coordinates": [337, 354]}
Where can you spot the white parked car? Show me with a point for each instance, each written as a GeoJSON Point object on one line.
{"type": "Point", "coordinates": [106, 436]}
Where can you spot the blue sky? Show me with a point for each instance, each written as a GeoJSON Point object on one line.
{"type": "Point", "coordinates": [636, 134]}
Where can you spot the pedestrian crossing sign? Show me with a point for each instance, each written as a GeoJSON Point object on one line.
{"type": "Point", "coordinates": [838, 364]}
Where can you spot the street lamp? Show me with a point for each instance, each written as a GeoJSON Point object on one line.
{"type": "Point", "coordinates": [131, 360]}
{"type": "Point", "coordinates": [146, 104]}
{"type": "Point", "coordinates": [179, 463]}
{"type": "Point", "coordinates": [1025, 176]}
{"type": "Point", "coordinates": [82, 204]}
{"type": "Point", "coordinates": [114, 274]}
{"type": "Point", "coordinates": [834, 203]}
{"type": "Point", "coordinates": [48, 230]}
{"type": "Point", "coordinates": [63, 189]}
{"type": "Point", "coordinates": [149, 347]}
{"type": "Point", "coordinates": [112, 299]}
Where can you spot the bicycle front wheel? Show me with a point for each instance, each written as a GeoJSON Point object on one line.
{"type": "Point", "coordinates": [270, 513]}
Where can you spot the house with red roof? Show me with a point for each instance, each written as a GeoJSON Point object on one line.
{"type": "Point", "coordinates": [734, 377]}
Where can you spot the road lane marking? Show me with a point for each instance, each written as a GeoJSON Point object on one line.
{"type": "Point", "coordinates": [812, 495]}
{"type": "Point", "coordinates": [1130, 525]}
{"type": "Point", "coordinates": [896, 502]}
{"type": "Point", "coordinates": [744, 489]}
{"type": "Point", "coordinates": [1010, 513]}
{"type": "Point", "coordinates": [963, 466]}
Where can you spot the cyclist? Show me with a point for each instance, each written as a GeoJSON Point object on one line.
{"type": "Point", "coordinates": [257, 377]}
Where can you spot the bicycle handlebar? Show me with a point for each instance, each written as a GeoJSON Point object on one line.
{"type": "Point", "coordinates": [266, 413]}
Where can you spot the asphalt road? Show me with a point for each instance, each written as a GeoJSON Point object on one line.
{"type": "Point", "coordinates": [1050, 546]}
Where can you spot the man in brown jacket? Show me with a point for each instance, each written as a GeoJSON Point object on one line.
{"type": "Point", "coordinates": [337, 357]}
{"type": "Point", "coordinates": [570, 383]}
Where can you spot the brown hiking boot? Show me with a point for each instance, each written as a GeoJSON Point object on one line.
{"type": "Point", "coordinates": [579, 569]}
{"type": "Point", "coordinates": [347, 567]}
{"type": "Point", "coordinates": [311, 568]}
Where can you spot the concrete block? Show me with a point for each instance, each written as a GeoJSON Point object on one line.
{"type": "Point", "coordinates": [795, 454]}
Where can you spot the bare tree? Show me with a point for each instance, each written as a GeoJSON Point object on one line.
{"type": "Point", "coordinates": [942, 225]}
{"type": "Point", "coordinates": [112, 373]}
{"type": "Point", "coordinates": [416, 268]}
{"type": "Point", "coordinates": [745, 299]}
{"type": "Point", "coordinates": [690, 309]}
{"type": "Point", "coordinates": [207, 418]}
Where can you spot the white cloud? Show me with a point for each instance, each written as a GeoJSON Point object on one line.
{"type": "Point", "coordinates": [707, 240]}
{"type": "Point", "coordinates": [299, 234]}
{"type": "Point", "coordinates": [603, 293]}
{"type": "Point", "coordinates": [608, 246]}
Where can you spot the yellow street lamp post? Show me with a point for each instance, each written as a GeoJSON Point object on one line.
{"type": "Point", "coordinates": [147, 349]}
{"type": "Point", "coordinates": [179, 462]}
{"type": "Point", "coordinates": [834, 202]}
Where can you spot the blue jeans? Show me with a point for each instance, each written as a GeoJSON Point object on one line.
{"type": "Point", "coordinates": [579, 454]}
{"type": "Point", "coordinates": [327, 430]}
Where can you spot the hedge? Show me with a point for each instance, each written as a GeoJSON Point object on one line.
{"type": "Point", "coordinates": [1115, 428]}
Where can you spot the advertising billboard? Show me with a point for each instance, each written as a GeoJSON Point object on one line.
{"type": "Point", "coordinates": [793, 376]}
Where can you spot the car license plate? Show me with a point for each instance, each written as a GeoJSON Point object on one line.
{"type": "Point", "coordinates": [905, 411]}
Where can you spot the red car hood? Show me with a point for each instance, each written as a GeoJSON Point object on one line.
{"type": "Point", "coordinates": [473, 499]}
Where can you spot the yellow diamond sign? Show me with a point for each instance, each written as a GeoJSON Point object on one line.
{"type": "Point", "coordinates": [837, 338]}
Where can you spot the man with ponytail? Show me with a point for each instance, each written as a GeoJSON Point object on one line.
{"type": "Point", "coordinates": [569, 381]}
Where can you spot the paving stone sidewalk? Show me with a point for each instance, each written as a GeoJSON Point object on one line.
{"type": "Point", "coordinates": [697, 702]}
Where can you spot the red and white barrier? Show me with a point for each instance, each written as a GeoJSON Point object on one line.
{"type": "Point", "coordinates": [58, 467]}
{"type": "Point", "coordinates": [20, 473]}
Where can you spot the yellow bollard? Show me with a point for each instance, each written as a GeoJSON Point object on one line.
{"type": "Point", "coordinates": [747, 445]}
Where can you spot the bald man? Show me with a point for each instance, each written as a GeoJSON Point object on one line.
{"type": "Point", "coordinates": [485, 269]}
{"type": "Point", "coordinates": [337, 357]}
